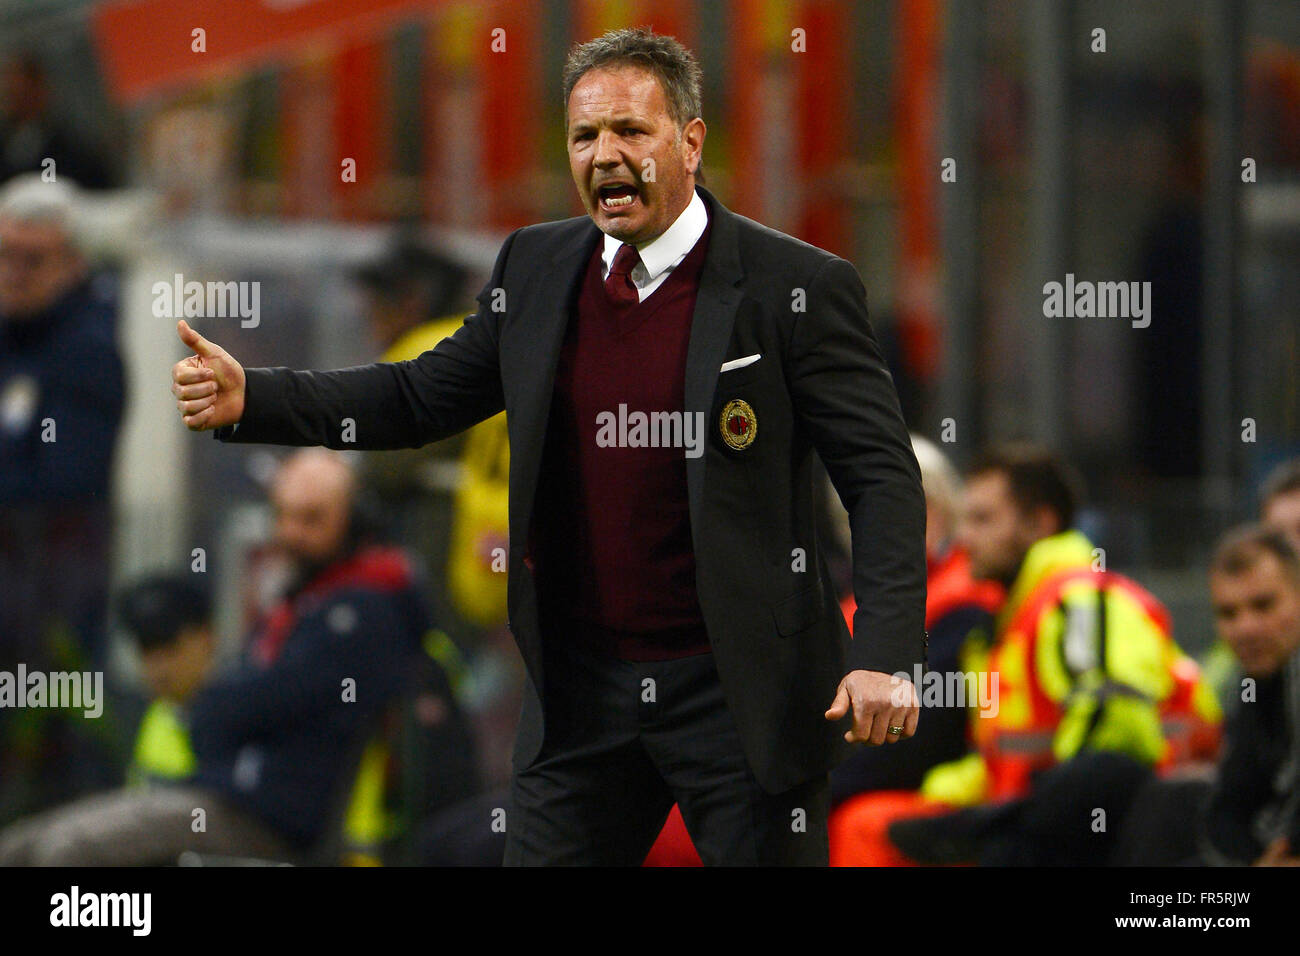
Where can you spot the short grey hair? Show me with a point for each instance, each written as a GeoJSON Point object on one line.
{"type": "Point", "coordinates": [940, 481]}
{"type": "Point", "coordinates": [28, 198]}
{"type": "Point", "coordinates": [673, 65]}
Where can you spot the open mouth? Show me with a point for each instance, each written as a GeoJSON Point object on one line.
{"type": "Point", "coordinates": [617, 197]}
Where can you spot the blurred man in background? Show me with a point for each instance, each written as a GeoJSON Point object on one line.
{"type": "Point", "coordinates": [1279, 509]}
{"type": "Point", "coordinates": [1092, 691]}
{"type": "Point", "coordinates": [61, 397]}
{"type": "Point", "coordinates": [276, 742]}
{"type": "Point", "coordinates": [411, 296]}
{"type": "Point", "coordinates": [169, 619]}
{"type": "Point", "coordinates": [1253, 813]}
{"type": "Point", "coordinates": [62, 391]}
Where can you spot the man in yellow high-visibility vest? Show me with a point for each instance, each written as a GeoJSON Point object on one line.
{"type": "Point", "coordinates": [1081, 663]}
{"type": "Point", "coordinates": [168, 618]}
{"type": "Point", "coordinates": [1085, 658]}
{"type": "Point", "coordinates": [448, 499]}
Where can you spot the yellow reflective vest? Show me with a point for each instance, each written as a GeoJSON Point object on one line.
{"type": "Point", "coordinates": [1080, 658]}
{"type": "Point", "coordinates": [162, 746]}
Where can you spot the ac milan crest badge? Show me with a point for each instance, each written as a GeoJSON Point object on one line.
{"type": "Point", "coordinates": [738, 424]}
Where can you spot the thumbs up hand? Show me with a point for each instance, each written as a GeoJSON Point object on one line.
{"type": "Point", "coordinates": [209, 385]}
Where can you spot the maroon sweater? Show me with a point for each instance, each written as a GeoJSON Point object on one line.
{"type": "Point", "coordinates": [610, 541]}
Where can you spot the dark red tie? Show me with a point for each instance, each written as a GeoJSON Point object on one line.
{"type": "Point", "coordinates": [618, 284]}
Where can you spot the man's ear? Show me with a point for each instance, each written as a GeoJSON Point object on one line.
{"type": "Point", "coordinates": [693, 137]}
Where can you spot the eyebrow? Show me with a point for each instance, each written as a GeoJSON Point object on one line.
{"type": "Point", "coordinates": [582, 125]}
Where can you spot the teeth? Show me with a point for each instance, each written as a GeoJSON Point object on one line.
{"type": "Point", "coordinates": [621, 201]}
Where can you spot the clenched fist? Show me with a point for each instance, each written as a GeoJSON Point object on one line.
{"type": "Point", "coordinates": [877, 702]}
{"type": "Point", "coordinates": [209, 385]}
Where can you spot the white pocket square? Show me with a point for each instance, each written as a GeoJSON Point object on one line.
{"type": "Point", "coordinates": [739, 363]}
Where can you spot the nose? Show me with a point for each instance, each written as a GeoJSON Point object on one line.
{"type": "Point", "coordinates": [606, 155]}
{"type": "Point", "coordinates": [1248, 627]}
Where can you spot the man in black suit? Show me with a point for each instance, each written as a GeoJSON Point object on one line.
{"type": "Point", "coordinates": [667, 368]}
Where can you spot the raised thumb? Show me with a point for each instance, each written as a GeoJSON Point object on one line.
{"type": "Point", "coordinates": [198, 343]}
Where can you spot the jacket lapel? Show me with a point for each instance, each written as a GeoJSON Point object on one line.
{"type": "Point", "coordinates": [715, 314]}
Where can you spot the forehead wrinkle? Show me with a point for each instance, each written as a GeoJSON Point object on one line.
{"type": "Point", "coordinates": [609, 120]}
{"type": "Point", "coordinates": [644, 91]}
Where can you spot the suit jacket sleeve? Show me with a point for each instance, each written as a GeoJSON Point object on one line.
{"type": "Point", "coordinates": [845, 399]}
{"type": "Point", "coordinates": [388, 404]}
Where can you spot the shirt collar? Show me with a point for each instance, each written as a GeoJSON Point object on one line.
{"type": "Point", "coordinates": [671, 245]}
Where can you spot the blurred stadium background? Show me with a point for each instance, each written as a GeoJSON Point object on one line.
{"type": "Point", "coordinates": [1122, 165]}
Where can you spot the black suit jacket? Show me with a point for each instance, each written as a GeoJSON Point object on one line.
{"type": "Point", "coordinates": [778, 637]}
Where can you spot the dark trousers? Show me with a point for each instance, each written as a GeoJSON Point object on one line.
{"type": "Point", "coordinates": [624, 741]}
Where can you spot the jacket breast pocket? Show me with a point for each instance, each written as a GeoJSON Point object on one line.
{"type": "Point", "coordinates": [799, 611]}
{"type": "Point", "coordinates": [744, 375]}
{"type": "Point", "coordinates": [737, 407]}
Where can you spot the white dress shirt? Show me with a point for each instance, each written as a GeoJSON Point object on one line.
{"type": "Point", "coordinates": [661, 255]}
